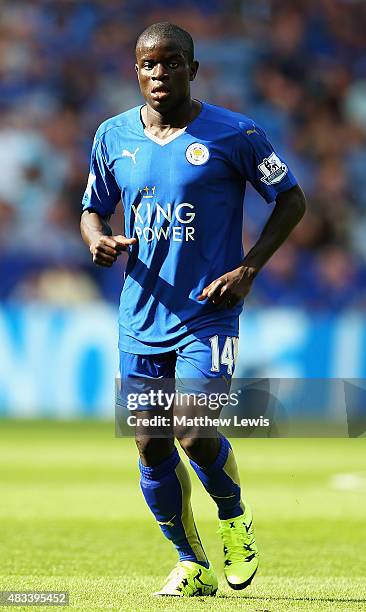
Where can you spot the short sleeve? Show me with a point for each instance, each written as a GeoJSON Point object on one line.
{"type": "Point", "coordinates": [258, 162]}
{"type": "Point", "coordinates": [102, 193]}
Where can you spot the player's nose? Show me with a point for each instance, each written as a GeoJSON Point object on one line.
{"type": "Point", "coordinates": [159, 72]}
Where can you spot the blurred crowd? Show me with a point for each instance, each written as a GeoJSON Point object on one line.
{"type": "Point", "coordinates": [298, 68]}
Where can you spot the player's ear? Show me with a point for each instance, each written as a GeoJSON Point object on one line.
{"type": "Point", "coordinates": [193, 70]}
{"type": "Point", "coordinates": [136, 69]}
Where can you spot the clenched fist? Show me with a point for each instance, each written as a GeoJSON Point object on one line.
{"type": "Point", "coordinates": [106, 249]}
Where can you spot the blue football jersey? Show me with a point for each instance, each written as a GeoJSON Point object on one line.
{"type": "Point", "coordinates": [183, 201]}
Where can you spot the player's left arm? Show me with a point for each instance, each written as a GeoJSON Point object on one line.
{"type": "Point", "coordinates": [231, 288]}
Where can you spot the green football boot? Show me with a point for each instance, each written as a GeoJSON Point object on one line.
{"type": "Point", "coordinates": [240, 549]}
{"type": "Point", "coordinates": [189, 579]}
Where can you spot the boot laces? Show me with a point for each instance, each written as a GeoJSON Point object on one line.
{"type": "Point", "coordinates": [237, 541]}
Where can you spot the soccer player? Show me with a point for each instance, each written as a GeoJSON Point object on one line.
{"type": "Point", "coordinates": [180, 166]}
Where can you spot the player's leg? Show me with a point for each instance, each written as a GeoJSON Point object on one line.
{"type": "Point", "coordinates": [167, 490]}
{"type": "Point", "coordinates": [211, 455]}
{"type": "Point", "coordinates": [213, 459]}
{"type": "Point", "coordinates": [221, 481]}
{"type": "Point", "coordinates": [166, 487]}
{"type": "Point", "coordinates": [214, 462]}
{"type": "Point", "coordinates": [165, 481]}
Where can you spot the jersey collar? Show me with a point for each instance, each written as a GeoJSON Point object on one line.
{"type": "Point", "coordinates": [164, 141]}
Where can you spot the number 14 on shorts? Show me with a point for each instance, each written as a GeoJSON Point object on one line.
{"type": "Point", "coordinates": [228, 354]}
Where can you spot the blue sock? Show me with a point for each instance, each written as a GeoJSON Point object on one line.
{"type": "Point", "coordinates": [221, 481]}
{"type": "Point", "coordinates": [167, 491]}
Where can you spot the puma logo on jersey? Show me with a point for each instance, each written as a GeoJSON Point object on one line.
{"type": "Point", "coordinates": [126, 153]}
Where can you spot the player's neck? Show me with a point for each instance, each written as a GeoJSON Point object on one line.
{"type": "Point", "coordinates": [163, 125]}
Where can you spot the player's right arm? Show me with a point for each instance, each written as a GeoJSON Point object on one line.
{"type": "Point", "coordinates": [97, 234]}
{"type": "Point", "coordinates": [101, 197]}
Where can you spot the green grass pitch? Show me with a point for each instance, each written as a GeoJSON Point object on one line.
{"type": "Point", "coordinates": [72, 517]}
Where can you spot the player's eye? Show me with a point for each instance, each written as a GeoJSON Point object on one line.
{"type": "Point", "coordinates": [148, 65]}
{"type": "Point", "coordinates": [173, 65]}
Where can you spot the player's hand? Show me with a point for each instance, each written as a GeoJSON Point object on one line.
{"type": "Point", "coordinates": [106, 249]}
{"type": "Point", "coordinates": [229, 289]}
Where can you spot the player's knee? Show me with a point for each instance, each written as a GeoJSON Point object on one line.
{"type": "Point", "coordinates": [201, 450]}
{"type": "Point", "coordinates": [153, 451]}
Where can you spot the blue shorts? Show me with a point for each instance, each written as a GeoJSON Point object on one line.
{"type": "Point", "coordinates": [199, 366]}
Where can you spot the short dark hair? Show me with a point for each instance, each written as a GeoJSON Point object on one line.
{"type": "Point", "coordinates": [169, 30]}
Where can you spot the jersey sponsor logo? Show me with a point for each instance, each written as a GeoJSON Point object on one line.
{"type": "Point", "coordinates": [126, 153]}
{"type": "Point", "coordinates": [154, 221]}
{"type": "Point", "coordinates": [273, 169]}
{"type": "Point", "coordinates": [197, 154]}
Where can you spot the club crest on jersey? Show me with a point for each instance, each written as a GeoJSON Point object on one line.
{"type": "Point", "coordinates": [273, 169]}
{"type": "Point", "coordinates": [197, 154]}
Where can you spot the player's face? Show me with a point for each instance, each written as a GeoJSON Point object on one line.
{"type": "Point", "coordinates": [164, 74]}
